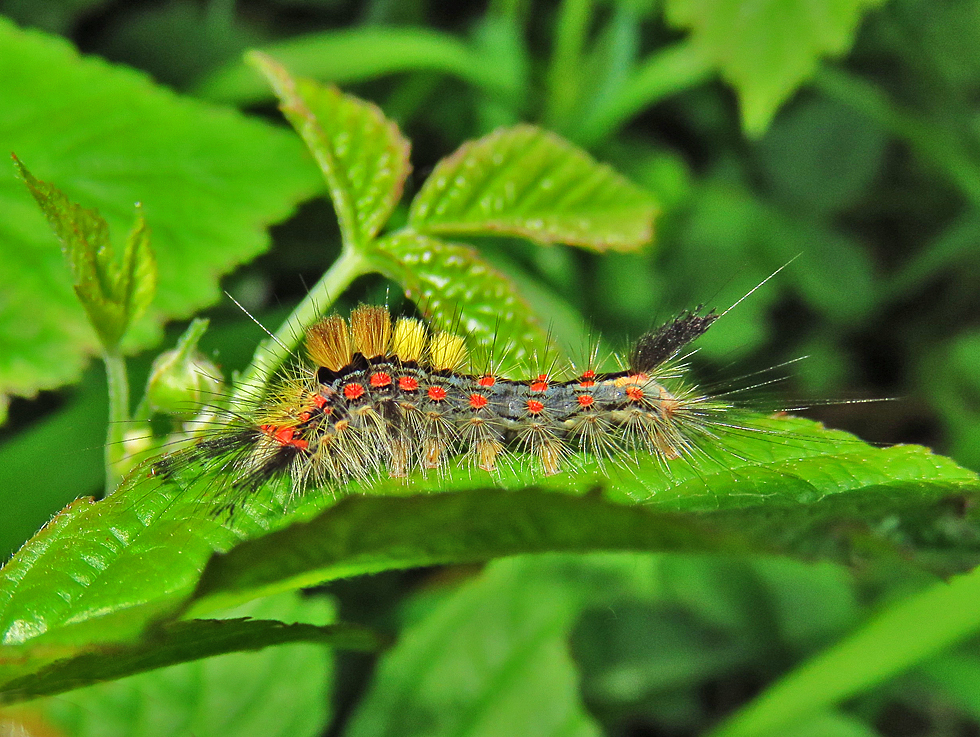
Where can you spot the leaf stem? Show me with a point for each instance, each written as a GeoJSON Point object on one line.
{"type": "Point", "coordinates": [118, 381]}
{"type": "Point", "coordinates": [272, 352]}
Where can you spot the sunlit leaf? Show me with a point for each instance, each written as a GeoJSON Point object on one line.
{"type": "Point", "coordinates": [528, 182]}
{"type": "Point", "coordinates": [362, 154]}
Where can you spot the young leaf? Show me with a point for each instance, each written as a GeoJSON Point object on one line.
{"type": "Point", "coordinates": [211, 181]}
{"type": "Point", "coordinates": [767, 48]}
{"type": "Point", "coordinates": [456, 289]}
{"type": "Point", "coordinates": [114, 291]}
{"type": "Point", "coordinates": [363, 155]}
{"type": "Point", "coordinates": [528, 182]}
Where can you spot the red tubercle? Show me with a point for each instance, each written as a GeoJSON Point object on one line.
{"type": "Point", "coordinates": [353, 391]}
{"type": "Point", "coordinates": [408, 383]}
{"type": "Point", "coordinates": [540, 384]}
{"type": "Point", "coordinates": [436, 393]}
{"type": "Point", "coordinates": [380, 380]}
{"type": "Point", "coordinates": [478, 401]}
{"type": "Point", "coordinates": [634, 393]}
{"type": "Point", "coordinates": [590, 374]}
{"type": "Point", "coordinates": [320, 401]}
{"type": "Point", "coordinates": [585, 400]}
{"type": "Point", "coordinates": [487, 380]}
{"type": "Point", "coordinates": [535, 407]}
{"type": "Point", "coordinates": [285, 436]}
{"type": "Point", "coordinates": [586, 383]}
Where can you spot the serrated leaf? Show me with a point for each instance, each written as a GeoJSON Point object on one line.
{"type": "Point", "coordinates": [194, 698]}
{"type": "Point", "coordinates": [114, 291]}
{"type": "Point", "coordinates": [457, 290]}
{"type": "Point", "coordinates": [362, 155]}
{"type": "Point", "coordinates": [490, 659]}
{"type": "Point", "coordinates": [100, 572]}
{"type": "Point", "coordinates": [767, 48]}
{"type": "Point", "coordinates": [173, 643]}
{"type": "Point", "coordinates": [210, 181]}
{"type": "Point", "coordinates": [527, 182]}
{"type": "Point", "coordinates": [790, 497]}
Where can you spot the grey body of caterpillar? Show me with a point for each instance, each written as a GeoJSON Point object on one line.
{"type": "Point", "coordinates": [388, 396]}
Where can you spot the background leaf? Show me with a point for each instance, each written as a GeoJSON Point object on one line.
{"type": "Point", "coordinates": [767, 48]}
{"type": "Point", "coordinates": [490, 659]}
{"type": "Point", "coordinates": [355, 55]}
{"type": "Point", "coordinates": [211, 182]}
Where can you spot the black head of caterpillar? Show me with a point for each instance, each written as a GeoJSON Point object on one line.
{"type": "Point", "coordinates": [383, 397]}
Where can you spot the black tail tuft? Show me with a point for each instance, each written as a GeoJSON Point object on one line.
{"type": "Point", "coordinates": [656, 348]}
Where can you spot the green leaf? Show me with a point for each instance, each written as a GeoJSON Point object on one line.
{"type": "Point", "coordinates": [167, 645]}
{"type": "Point", "coordinates": [361, 54]}
{"type": "Point", "coordinates": [238, 695]}
{"type": "Point", "coordinates": [527, 182]}
{"type": "Point", "coordinates": [666, 72]}
{"type": "Point", "coordinates": [896, 639]}
{"type": "Point", "coordinates": [113, 291]}
{"type": "Point", "coordinates": [767, 48]}
{"type": "Point", "coordinates": [457, 290]}
{"type": "Point", "coordinates": [491, 659]}
{"type": "Point", "coordinates": [72, 437]}
{"type": "Point", "coordinates": [363, 156]}
{"type": "Point", "coordinates": [788, 498]}
{"type": "Point", "coordinates": [99, 573]}
{"type": "Point", "coordinates": [210, 181]}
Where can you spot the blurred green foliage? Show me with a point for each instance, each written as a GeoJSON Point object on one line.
{"type": "Point", "coordinates": [847, 141]}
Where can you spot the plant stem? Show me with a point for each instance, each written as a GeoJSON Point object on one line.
{"type": "Point", "coordinates": [272, 352]}
{"type": "Point", "coordinates": [115, 452]}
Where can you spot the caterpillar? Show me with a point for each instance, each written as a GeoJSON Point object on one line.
{"type": "Point", "coordinates": [381, 396]}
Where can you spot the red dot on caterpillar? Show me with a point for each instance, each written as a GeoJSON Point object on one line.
{"type": "Point", "coordinates": [408, 384]}
{"type": "Point", "coordinates": [380, 380]}
{"type": "Point", "coordinates": [436, 393]}
{"type": "Point", "coordinates": [353, 391]}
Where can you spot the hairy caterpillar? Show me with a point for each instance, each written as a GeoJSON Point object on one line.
{"type": "Point", "coordinates": [387, 397]}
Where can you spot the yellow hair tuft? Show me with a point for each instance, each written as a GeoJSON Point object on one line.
{"type": "Point", "coordinates": [371, 330]}
{"type": "Point", "coordinates": [328, 343]}
{"type": "Point", "coordinates": [447, 352]}
{"type": "Point", "coordinates": [409, 341]}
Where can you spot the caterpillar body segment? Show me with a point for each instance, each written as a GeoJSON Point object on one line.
{"type": "Point", "coordinates": [389, 398]}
